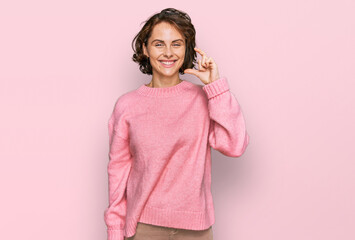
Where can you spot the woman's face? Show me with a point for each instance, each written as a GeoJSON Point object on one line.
{"type": "Point", "coordinates": [166, 50]}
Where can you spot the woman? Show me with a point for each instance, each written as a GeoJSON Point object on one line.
{"type": "Point", "coordinates": [161, 135]}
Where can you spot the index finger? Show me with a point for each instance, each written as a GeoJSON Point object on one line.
{"type": "Point", "coordinates": [199, 51]}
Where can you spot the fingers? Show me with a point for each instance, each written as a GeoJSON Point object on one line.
{"type": "Point", "coordinates": [200, 51]}
{"type": "Point", "coordinates": [209, 61]}
{"type": "Point", "coordinates": [205, 61]}
{"type": "Point", "coordinates": [200, 67]}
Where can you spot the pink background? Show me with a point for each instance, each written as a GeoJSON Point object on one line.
{"type": "Point", "coordinates": [289, 63]}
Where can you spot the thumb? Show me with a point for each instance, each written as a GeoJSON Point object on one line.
{"type": "Point", "coordinates": [192, 71]}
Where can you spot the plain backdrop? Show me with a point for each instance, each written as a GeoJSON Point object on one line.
{"type": "Point", "coordinates": [290, 64]}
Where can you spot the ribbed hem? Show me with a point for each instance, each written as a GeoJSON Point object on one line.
{"type": "Point", "coordinates": [115, 234]}
{"type": "Point", "coordinates": [181, 219]}
{"type": "Point", "coordinates": [163, 217]}
{"type": "Point", "coordinates": [130, 228]}
{"type": "Point", "coordinates": [216, 87]}
{"type": "Point", "coordinates": [164, 91]}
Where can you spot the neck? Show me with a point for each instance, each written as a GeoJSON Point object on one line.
{"type": "Point", "coordinates": [163, 92]}
{"type": "Point", "coordinates": [168, 82]}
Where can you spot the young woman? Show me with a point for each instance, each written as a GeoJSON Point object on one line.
{"type": "Point", "coordinates": [161, 135]}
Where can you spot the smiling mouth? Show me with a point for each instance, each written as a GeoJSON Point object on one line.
{"type": "Point", "coordinates": [167, 64]}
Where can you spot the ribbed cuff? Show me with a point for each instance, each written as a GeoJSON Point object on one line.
{"type": "Point", "coordinates": [115, 234]}
{"type": "Point", "coordinates": [216, 87]}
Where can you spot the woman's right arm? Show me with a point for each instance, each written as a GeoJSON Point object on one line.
{"type": "Point", "coordinates": [118, 168]}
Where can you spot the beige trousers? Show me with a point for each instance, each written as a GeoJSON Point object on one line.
{"type": "Point", "coordinates": [152, 232]}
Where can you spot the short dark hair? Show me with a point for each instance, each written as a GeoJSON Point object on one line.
{"type": "Point", "coordinates": [178, 19]}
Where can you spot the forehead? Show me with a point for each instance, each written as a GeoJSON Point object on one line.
{"type": "Point", "coordinates": [165, 31]}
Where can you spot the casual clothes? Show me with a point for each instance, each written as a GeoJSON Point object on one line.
{"type": "Point", "coordinates": [160, 154]}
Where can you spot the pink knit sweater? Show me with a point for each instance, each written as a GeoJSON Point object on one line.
{"type": "Point", "coordinates": [160, 154]}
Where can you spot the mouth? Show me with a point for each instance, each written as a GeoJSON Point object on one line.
{"type": "Point", "coordinates": [167, 63]}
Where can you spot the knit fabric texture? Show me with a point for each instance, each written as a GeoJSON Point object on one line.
{"type": "Point", "coordinates": [159, 166]}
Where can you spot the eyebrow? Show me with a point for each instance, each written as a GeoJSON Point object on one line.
{"type": "Point", "coordinates": [163, 41]}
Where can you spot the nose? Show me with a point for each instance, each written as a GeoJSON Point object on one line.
{"type": "Point", "coordinates": [168, 51]}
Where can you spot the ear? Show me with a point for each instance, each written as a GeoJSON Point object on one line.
{"type": "Point", "coordinates": [145, 51]}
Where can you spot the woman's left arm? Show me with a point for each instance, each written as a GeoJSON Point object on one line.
{"type": "Point", "coordinates": [228, 132]}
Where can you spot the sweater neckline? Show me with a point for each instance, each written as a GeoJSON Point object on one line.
{"type": "Point", "coordinates": [163, 91]}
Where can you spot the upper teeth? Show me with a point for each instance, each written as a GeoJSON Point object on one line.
{"type": "Point", "coordinates": [168, 62]}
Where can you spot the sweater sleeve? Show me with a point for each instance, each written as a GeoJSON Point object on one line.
{"type": "Point", "coordinates": [227, 132]}
{"type": "Point", "coordinates": [118, 168]}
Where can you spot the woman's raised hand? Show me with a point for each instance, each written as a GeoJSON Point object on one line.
{"type": "Point", "coordinates": [208, 70]}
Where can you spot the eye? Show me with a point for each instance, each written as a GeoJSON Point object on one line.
{"type": "Point", "coordinates": [158, 44]}
{"type": "Point", "coordinates": [177, 44]}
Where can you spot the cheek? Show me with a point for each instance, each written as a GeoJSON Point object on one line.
{"type": "Point", "coordinates": [182, 58]}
